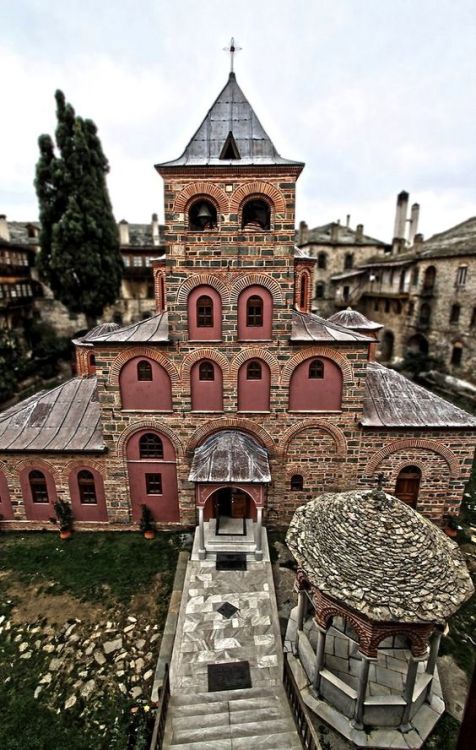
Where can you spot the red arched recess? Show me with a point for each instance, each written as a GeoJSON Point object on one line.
{"type": "Point", "coordinates": [6, 512]}
{"type": "Point", "coordinates": [38, 511]}
{"type": "Point", "coordinates": [84, 508]}
{"type": "Point", "coordinates": [316, 385]}
{"type": "Point", "coordinates": [154, 393]}
{"type": "Point", "coordinates": [158, 475]}
{"type": "Point", "coordinates": [249, 507]}
{"type": "Point", "coordinates": [254, 381]}
{"type": "Point", "coordinates": [250, 315]}
{"type": "Point", "coordinates": [196, 330]}
{"type": "Point", "coordinates": [206, 384]}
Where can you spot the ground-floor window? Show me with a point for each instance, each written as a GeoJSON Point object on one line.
{"type": "Point", "coordinates": [153, 484]}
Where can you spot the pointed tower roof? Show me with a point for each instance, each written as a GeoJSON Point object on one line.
{"type": "Point", "coordinates": [230, 127]}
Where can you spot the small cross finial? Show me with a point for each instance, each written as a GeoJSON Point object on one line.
{"type": "Point", "coordinates": [380, 480]}
{"type": "Point", "coordinates": [232, 49]}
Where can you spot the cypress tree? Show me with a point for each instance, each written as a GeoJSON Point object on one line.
{"type": "Point", "coordinates": [80, 257]}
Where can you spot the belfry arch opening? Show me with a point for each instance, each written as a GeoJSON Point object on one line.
{"type": "Point", "coordinates": [256, 215]}
{"type": "Point", "coordinates": [202, 216]}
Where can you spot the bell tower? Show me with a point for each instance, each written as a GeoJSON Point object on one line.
{"type": "Point", "coordinates": [229, 213]}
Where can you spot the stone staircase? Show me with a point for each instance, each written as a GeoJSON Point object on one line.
{"type": "Point", "coordinates": [257, 718]}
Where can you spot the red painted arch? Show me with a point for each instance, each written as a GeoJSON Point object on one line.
{"type": "Point", "coordinates": [164, 505]}
{"type": "Point", "coordinates": [38, 511]}
{"type": "Point", "coordinates": [322, 394]}
{"type": "Point", "coordinates": [6, 511]}
{"type": "Point", "coordinates": [87, 511]}
{"type": "Point", "coordinates": [254, 395]}
{"type": "Point", "coordinates": [155, 394]}
{"type": "Point", "coordinates": [195, 332]}
{"type": "Point", "coordinates": [254, 333]}
{"type": "Point", "coordinates": [207, 395]}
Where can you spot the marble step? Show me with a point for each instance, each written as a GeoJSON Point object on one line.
{"type": "Point", "coordinates": [181, 699]}
{"type": "Point", "coordinates": [223, 719]}
{"type": "Point", "coordinates": [239, 704]}
{"type": "Point", "coordinates": [227, 731]}
{"type": "Point", "coordinates": [280, 741]}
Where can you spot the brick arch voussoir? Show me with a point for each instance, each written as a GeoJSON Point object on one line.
{"type": "Point", "coordinates": [142, 351]}
{"type": "Point", "coordinates": [77, 463]}
{"type": "Point", "coordinates": [40, 463]}
{"type": "Point", "coordinates": [317, 351]}
{"type": "Point", "coordinates": [199, 354]}
{"type": "Point", "coordinates": [256, 279]}
{"type": "Point", "coordinates": [421, 443]}
{"type": "Point", "coordinates": [255, 353]}
{"type": "Point", "coordinates": [195, 189]}
{"type": "Point", "coordinates": [257, 188]}
{"type": "Point", "coordinates": [145, 424]}
{"type": "Point", "coordinates": [335, 432]}
{"type": "Point", "coordinates": [232, 423]}
{"type": "Point", "coordinates": [202, 279]}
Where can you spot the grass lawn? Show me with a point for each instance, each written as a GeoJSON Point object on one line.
{"type": "Point", "coordinates": [63, 605]}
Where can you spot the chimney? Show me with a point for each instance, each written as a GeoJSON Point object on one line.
{"type": "Point", "coordinates": [347, 221]}
{"type": "Point", "coordinates": [335, 231]}
{"type": "Point", "coordinates": [123, 232]}
{"type": "Point", "coordinates": [155, 230]}
{"type": "Point", "coordinates": [359, 233]}
{"type": "Point", "coordinates": [401, 215]}
{"type": "Point", "coordinates": [418, 239]}
{"type": "Point", "coordinates": [303, 233]}
{"type": "Point", "coordinates": [413, 223]}
{"type": "Point", "coordinates": [4, 230]}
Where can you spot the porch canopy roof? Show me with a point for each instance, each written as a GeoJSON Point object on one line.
{"type": "Point", "coordinates": [230, 456]}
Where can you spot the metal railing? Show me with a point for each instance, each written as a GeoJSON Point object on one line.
{"type": "Point", "coordinates": [161, 715]}
{"type": "Point", "coordinates": [307, 733]}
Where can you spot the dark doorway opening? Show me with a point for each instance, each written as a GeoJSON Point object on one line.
{"type": "Point", "coordinates": [408, 485]}
{"type": "Point", "coordinates": [231, 509]}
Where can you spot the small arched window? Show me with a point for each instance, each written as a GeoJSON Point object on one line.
{"type": "Point", "coordinates": [429, 278]}
{"type": "Point", "coordinates": [205, 312]}
{"type": "Point", "coordinates": [256, 215]}
{"type": "Point", "coordinates": [92, 360]}
{"type": "Point", "coordinates": [38, 487]}
{"type": "Point", "coordinates": [144, 370]}
{"type": "Point", "coordinates": [348, 261]}
{"type": "Point", "coordinates": [151, 446]}
{"type": "Point", "coordinates": [206, 371]}
{"type": "Point", "coordinates": [415, 274]}
{"type": "Point", "coordinates": [297, 482]}
{"type": "Point", "coordinates": [202, 215]}
{"type": "Point", "coordinates": [473, 318]}
{"type": "Point", "coordinates": [303, 287]}
{"type": "Point", "coordinates": [461, 275]}
{"type": "Point", "coordinates": [320, 290]}
{"type": "Point", "coordinates": [455, 313]}
{"type": "Point", "coordinates": [322, 261]}
{"type": "Point", "coordinates": [253, 371]}
{"type": "Point", "coordinates": [425, 314]}
{"type": "Point", "coordinates": [457, 354]}
{"type": "Point", "coordinates": [87, 487]}
{"type": "Point", "coordinates": [254, 312]}
{"type": "Point", "coordinates": [316, 369]}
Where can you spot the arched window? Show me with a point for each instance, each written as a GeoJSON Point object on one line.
{"type": "Point", "coordinates": [316, 369]}
{"type": "Point", "coordinates": [297, 482]}
{"type": "Point", "coordinates": [38, 487]}
{"type": "Point", "coordinates": [206, 371]}
{"type": "Point", "coordinates": [415, 274]}
{"type": "Point", "coordinates": [303, 287]}
{"type": "Point", "coordinates": [461, 275]}
{"type": "Point", "coordinates": [92, 361]}
{"type": "Point", "coordinates": [348, 261]}
{"type": "Point", "coordinates": [473, 318]}
{"type": "Point", "coordinates": [254, 312]}
{"type": "Point", "coordinates": [204, 312]}
{"type": "Point", "coordinates": [387, 346]}
{"type": "Point", "coordinates": [454, 314]}
{"type": "Point", "coordinates": [256, 215]}
{"type": "Point", "coordinates": [425, 315]}
{"type": "Point", "coordinates": [408, 485]}
{"type": "Point", "coordinates": [457, 354]}
{"type": "Point", "coordinates": [144, 370]}
{"type": "Point", "coordinates": [87, 487]}
{"type": "Point", "coordinates": [253, 371]}
{"type": "Point", "coordinates": [202, 215]}
{"type": "Point", "coordinates": [429, 279]}
{"type": "Point", "coordinates": [322, 260]}
{"type": "Point", "coordinates": [151, 446]}
{"type": "Point", "coordinates": [320, 290]}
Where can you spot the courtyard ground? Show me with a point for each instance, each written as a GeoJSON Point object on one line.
{"type": "Point", "coordinates": [80, 629]}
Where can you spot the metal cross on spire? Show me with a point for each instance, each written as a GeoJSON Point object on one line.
{"type": "Point", "coordinates": [232, 49]}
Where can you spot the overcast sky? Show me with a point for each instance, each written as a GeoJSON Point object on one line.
{"type": "Point", "coordinates": [375, 96]}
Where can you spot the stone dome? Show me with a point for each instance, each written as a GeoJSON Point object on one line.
{"type": "Point", "coordinates": [372, 552]}
{"type": "Point", "coordinates": [354, 320]}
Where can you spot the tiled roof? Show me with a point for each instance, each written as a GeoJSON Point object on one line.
{"type": "Point", "coordinates": [65, 419]}
{"type": "Point", "coordinates": [377, 555]}
{"type": "Point", "coordinates": [140, 235]}
{"type": "Point", "coordinates": [345, 236]}
{"type": "Point", "coordinates": [230, 113]}
{"type": "Point", "coordinates": [391, 400]}
{"type": "Point", "coordinates": [459, 240]}
{"type": "Point", "coordinates": [310, 327]}
{"type": "Point", "coordinates": [230, 456]}
{"type": "Point", "coordinates": [148, 331]}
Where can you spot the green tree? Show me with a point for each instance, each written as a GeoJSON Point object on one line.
{"type": "Point", "coordinates": [80, 257]}
{"type": "Point", "coordinates": [12, 363]}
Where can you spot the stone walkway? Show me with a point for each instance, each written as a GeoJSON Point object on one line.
{"type": "Point", "coordinates": [257, 717]}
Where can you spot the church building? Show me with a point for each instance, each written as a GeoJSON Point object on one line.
{"type": "Point", "coordinates": [233, 404]}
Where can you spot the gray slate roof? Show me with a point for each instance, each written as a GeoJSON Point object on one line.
{"type": "Point", "coordinates": [380, 557]}
{"type": "Point", "coordinates": [459, 240]}
{"type": "Point", "coordinates": [391, 400]}
{"type": "Point", "coordinates": [93, 333]}
{"type": "Point", "coordinates": [140, 235]}
{"type": "Point", "coordinates": [310, 327]}
{"type": "Point", "coordinates": [19, 232]}
{"type": "Point", "coordinates": [354, 320]}
{"type": "Point", "coordinates": [230, 112]}
{"type": "Point", "coordinates": [230, 456]}
{"type": "Point", "coordinates": [153, 330]}
{"type": "Point", "coordinates": [65, 419]}
{"type": "Point", "coordinates": [345, 236]}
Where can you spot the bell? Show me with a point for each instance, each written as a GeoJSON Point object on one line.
{"type": "Point", "coordinates": [204, 214]}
